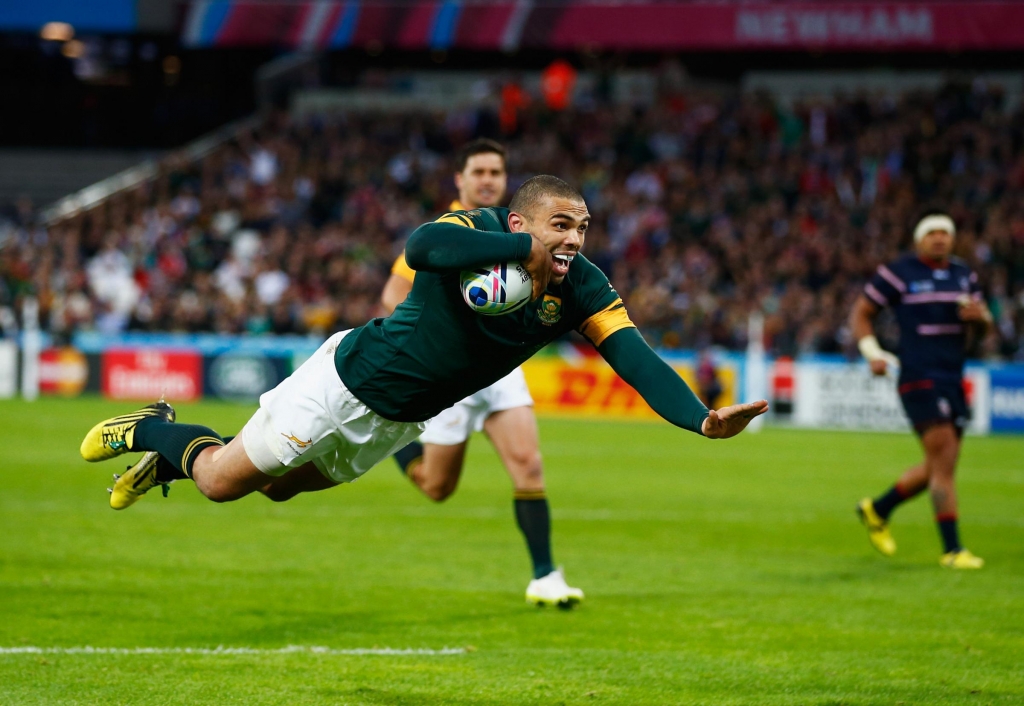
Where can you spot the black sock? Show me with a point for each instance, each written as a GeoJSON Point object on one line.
{"type": "Point", "coordinates": [534, 520]}
{"type": "Point", "coordinates": [887, 502]}
{"type": "Point", "coordinates": [166, 472]}
{"type": "Point", "coordinates": [950, 535]}
{"type": "Point", "coordinates": [178, 444]}
{"type": "Point", "coordinates": [406, 455]}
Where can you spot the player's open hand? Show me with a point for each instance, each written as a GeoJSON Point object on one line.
{"type": "Point", "coordinates": [730, 421]}
{"type": "Point", "coordinates": [538, 264]}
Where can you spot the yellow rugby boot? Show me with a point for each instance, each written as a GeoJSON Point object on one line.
{"type": "Point", "coordinates": [113, 437]}
{"type": "Point", "coordinates": [136, 482]}
{"type": "Point", "coordinates": [961, 559]}
{"type": "Point", "coordinates": [878, 529]}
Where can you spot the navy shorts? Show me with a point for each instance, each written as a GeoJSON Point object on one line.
{"type": "Point", "coordinates": [931, 402]}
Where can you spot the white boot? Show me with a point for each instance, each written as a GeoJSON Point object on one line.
{"type": "Point", "coordinates": [553, 590]}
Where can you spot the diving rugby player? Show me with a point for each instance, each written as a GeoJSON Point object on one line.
{"type": "Point", "coordinates": [369, 391]}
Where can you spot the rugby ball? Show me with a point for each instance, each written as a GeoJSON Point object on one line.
{"type": "Point", "coordinates": [498, 289]}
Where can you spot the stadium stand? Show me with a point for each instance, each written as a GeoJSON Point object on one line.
{"type": "Point", "coordinates": [707, 206]}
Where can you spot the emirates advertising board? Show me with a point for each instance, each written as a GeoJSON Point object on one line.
{"type": "Point", "coordinates": [148, 374]}
{"type": "Point", "coordinates": [848, 396]}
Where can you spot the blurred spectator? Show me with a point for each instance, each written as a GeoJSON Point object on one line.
{"type": "Point", "coordinates": [513, 100]}
{"type": "Point", "coordinates": [558, 81]}
{"type": "Point", "coordinates": [709, 387]}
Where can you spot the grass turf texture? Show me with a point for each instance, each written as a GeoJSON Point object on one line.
{"type": "Point", "coordinates": [730, 572]}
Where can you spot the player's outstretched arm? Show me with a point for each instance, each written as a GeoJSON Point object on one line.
{"type": "Point", "coordinates": [443, 247]}
{"type": "Point", "coordinates": [630, 356]}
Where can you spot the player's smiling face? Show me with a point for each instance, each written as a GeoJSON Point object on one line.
{"type": "Point", "coordinates": [482, 183]}
{"type": "Point", "coordinates": [561, 224]}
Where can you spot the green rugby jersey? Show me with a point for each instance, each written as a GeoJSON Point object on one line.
{"type": "Point", "coordinates": [434, 350]}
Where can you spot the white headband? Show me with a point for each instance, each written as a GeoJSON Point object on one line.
{"type": "Point", "coordinates": [930, 223]}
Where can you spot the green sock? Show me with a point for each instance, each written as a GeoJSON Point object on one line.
{"type": "Point", "coordinates": [178, 444]}
{"type": "Point", "coordinates": [534, 520]}
{"type": "Point", "coordinates": [407, 455]}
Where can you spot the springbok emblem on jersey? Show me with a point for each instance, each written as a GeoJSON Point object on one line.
{"type": "Point", "coordinates": [550, 310]}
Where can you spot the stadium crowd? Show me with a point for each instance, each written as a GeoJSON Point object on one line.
{"type": "Point", "coordinates": [707, 207]}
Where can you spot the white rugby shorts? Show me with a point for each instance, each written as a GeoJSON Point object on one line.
{"type": "Point", "coordinates": [456, 424]}
{"type": "Point", "coordinates": [311, 416]}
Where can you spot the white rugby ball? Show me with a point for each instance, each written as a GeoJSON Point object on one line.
{"type": "Point", "coordinates": [498, 289]}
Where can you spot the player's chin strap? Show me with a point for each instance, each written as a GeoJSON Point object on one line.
{"type": "Point", "coordinates": [871, 350]}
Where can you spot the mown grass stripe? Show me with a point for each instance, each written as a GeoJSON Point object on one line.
{"type": "Point", "coordinates": [221, 650]}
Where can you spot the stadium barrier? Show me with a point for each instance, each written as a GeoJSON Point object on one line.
{"type": "Point", "coordinates": [571, 381]}
{"type": "Point", "coordinates": [820, 392]}
{"type": "Point", "coordinates": [181, 366]}
{"type": "Point", "coordinates": [8, 369]}
{"type": "Point", "coordinates": [833, 394]}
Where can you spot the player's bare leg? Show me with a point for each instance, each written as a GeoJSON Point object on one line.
{"type": "Point", "coordinates": [438, 474]}
{"type": "Point", "coordinates": [304, 479]}
{"type": "Point", "coordinates": [941, 449]}
{"type": "Point", "coordinates": [514, 435]}
{"type": "Point", "coordinates": [226, 473]}
{"type": "Point", "coordinates": [913, 481]}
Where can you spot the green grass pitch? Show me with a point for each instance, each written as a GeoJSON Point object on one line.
{"type": "Point", "coordinates": [729, 572]}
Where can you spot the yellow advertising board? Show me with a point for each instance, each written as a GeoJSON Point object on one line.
{"type": "Point", "coordinates": [589, 387]}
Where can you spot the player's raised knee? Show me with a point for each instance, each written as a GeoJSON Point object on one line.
{"type": "Point", "coordinates": [438, 491]}
{"type": "Point", "coordinates": [217, 489]}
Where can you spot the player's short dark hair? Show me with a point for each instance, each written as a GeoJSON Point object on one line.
{"type": "Point", "coordinates": [481, 145]}
{"type": "Point", "coordinates": [535, 189]}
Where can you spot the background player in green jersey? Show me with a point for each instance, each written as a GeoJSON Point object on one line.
{"type": "Point", "coordinates": [503, 410]}
{"type": "Point", "coordinates": [369, 391]}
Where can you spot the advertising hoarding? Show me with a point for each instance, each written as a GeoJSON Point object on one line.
{"type": "Point", "coordinates": [62, 371]}
{"type": "Point", "coordinates": [148, 374]}
{"type": "Point", "coordinates": [587, 386]}
{"type": "Point", "coordinates": [1007, 399]}
{"type": "Point", "coordinates": [8, 369]}
{"type": "Point", "coordinates": [848, 396]}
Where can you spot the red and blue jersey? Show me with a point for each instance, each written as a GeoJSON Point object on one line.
{"type": "Point", "coordinates": [926, 300]}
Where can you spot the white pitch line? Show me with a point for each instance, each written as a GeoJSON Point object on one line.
{"type": "Point", "coordinates": [221, 650]}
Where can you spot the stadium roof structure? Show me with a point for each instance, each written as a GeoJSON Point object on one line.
{"type": "Point", "coordinates": [508, 25]}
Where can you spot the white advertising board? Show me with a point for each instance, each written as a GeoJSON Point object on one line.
{"type": "Point", "coordinates": [848, 396]}
{"type": "Point", "coordinates": [8, 369]}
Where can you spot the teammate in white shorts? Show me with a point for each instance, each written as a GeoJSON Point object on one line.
{"type": "Point", "coordinates": [504, 411]}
